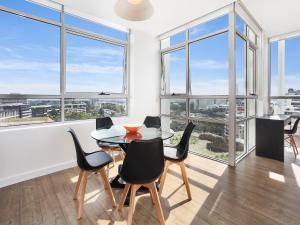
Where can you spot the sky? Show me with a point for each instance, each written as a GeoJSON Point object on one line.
{"type": "Point", "coordinates": [292, 65]}
{"type": "Point", "coordinates": [208, 60]}
{"type": "Point", "coordinates": [30, 55]}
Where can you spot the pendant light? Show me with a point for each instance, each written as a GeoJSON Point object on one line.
{"type": "Point", "coordinates": [134, 10]}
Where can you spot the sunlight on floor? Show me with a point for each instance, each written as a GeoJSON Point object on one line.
{"type": "Point", "coordinates": [74, 179]}
{"type": "Point", "coordinates": [277, 177]}
{"type": "Point", "coordinates": [92, 196]}
{"type": "Point", "coordinates": [296, 171]}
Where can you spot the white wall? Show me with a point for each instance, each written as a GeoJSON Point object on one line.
{"type": "Point", "coordinates": [28, 152]}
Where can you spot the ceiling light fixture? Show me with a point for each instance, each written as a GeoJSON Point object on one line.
{"type": "Point", "coordinates": [135, 10]}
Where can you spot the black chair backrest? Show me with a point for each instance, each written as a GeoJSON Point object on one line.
{"type": "Point", "coordinates": [295, 126]}
{"type": "Point", "coordinates": [104, 123]}
{"type": "Point", "coordinates": [152, 121]}
{"type": "Point", "coordinates": [183, 146]}
{"type": "Point", "coordinates": [144, 161]}
{"type": "Point", "coordinates": [80, 154]}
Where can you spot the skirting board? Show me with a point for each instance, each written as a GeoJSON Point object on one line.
{"type": "Point", "coordinates": [36, 173]}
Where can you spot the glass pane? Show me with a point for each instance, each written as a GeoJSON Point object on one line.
{"type": "Point", "coordinates": [88, 25]}
{"type": "Point", "coordinates": [240, 24]}
{"type": "Point", "coordinates": [173, 40]}
{"type": "Point", "coordinates": [274, 68]}
{"type": "Point", "coordinates": [209, 66]}
{"type": "Point", "coordinates": [28, 111]}
{"type": "Point", "coordinates": [175, 72]}
{"type": "Point", "coordinates": [251, 35]}
{"type": "Point", "coordinates": [240, 139]}
{"type": "Point", "coordinates": [251, 107]}
{"type": "Point", "coordinates": [81, 109]}
{"type": "Point", "coordinates": [173, 107]}
{"type": "Point", "coordinates": [209, 108]}
{"type": "Point", "coordinates": [210, 139]}
{"type": "Point", "coordinates": [292, 67]}
{"type": "Point", "coordinates": [209, 27]}
{"type": "Point", "coordinates": [240, 108]}
{"type": "Point", "coordinates": [240, 66]}
{"type": "Point", "coordinates": [29, 56]}
{"type": "Point", "coordinates": [285, 106]}
{"type": "Point", "coordinates": [173, 125]}
{"type": "Point", "coordinates": [32, 8]}
{"type": "Point", "coordinates": [251, 72]}
{"type": "Point", "coordinates": [251, 134]}
{"type": "Point", "coordinates": [94, 66]}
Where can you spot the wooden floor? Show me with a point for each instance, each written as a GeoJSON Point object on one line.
{"type": "Point", "coordinates": [258, 191]}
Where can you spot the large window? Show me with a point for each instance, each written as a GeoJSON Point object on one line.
{"type": "Point", "coordinates": [195, 71]}
{"type": "Point", "coordinates": [209, 66]}
{"type": "Point", "coordinates": [52, 71]}
{"type": "Point", "coordinates": [285, 76]}
{"type": "Point", "coordinates": [195, 86]}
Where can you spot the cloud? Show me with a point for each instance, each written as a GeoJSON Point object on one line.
{"type": "Point", "coordinates": [208, 64]}
{"type": "Point", "coordinates": [92, 68]}
{"type": "Point", "coordinates": [16, 65]}
{"type": "Point", "coordinates": [28, 65]}
{"type": "Point", "coordinates": [96, 52]}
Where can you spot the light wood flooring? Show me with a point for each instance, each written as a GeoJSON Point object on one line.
{"type": "Point", "coordinates": [258, 191]}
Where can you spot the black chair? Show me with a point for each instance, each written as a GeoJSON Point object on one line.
{"type": "Point", "coordinates": [177, 155]}
{"type": "Point", "coordinates": [152, 122]}
{"type": "Point", "coordinates": [290, 135]}
{"type": "Point", "coordinates": [143, 165]}
{"type": "Point", "coordinates": [106, 123]}
{"type": "Point", "coordinates": [90, 163]}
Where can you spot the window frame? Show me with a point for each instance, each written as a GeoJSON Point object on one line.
{"type": "Point", "coordinates": [64, 29]}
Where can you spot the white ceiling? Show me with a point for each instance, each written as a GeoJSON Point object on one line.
{"type": "Point", "coordinates": [274, 16]}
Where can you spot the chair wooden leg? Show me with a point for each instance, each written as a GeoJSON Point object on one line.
{"type": "Point", "coordinates": [293, 144]}
{"type": "Point", "coordinates": [157, 204]}
{"type": "Point", "coordinates": [122, 154]}
{"type": "Point", "coordinates": [77, 185]}
{"type": "Point", "coordinates": [296, 148]}
{"type": "Point", "coordinates": [108, 187]}
{"type": "Point", "coordinates": [82, 193]}
{"type": "Point", "coordinates": [113, 157]}
{"type": "Point", "coordinates": [152, 195]}
{"type": "Point", "coordinates": [124, 195]}
{"type": "Point", "coordinates": [185, 179]}
{"type": "Point", "coordinates": [163, 176]}
{"type": "Point", "coordinates": [134, 188]}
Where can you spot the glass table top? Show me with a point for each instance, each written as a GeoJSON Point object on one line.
{"type": "Point", "coordinates": [118, 135]}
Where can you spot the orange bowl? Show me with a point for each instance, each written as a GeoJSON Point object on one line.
{"type": "Point", "coordinates": [132, 128]}
{"type": "Point", "coordinates": [133, 136]}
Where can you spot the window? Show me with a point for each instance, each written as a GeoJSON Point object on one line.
{"type": "Point", "coordinates": [209, 66]}
{"type": "Point", "coordinates": [292, 66]}
{"type": "Point", "coordinates": [240, 66]}
{"type": "Point", "coordinates": [94, 66]}
{"type": "Point", "coordinates": [209, 27]}
{"type": "Point", "coordinates": [79, 109]}
{"type": "Point", "coordinates": [33, 9]}
{"type": "Point", "coordinates": [210, 139]}
{"type": "Point", "coordinates": [175, 72]}
{"type": "Point", "coordinates": [174, 107]}
{"type": "Point", "coordinates": [173, 40]}
{"type": "Point", "coordinates": [240, 24]}
{"type": "Point", "coordinates": [29, 111]}
{"type": "Point", "coordinates": [216, 109]}
{"type": "Point", "coordinates": [88, 25]}
{"type": "Point", "coordinates": [285, 76]}
{"type": "Point", "coordinates": [29, 60]}
{"type": "Point", "coordinates": [33, 87]}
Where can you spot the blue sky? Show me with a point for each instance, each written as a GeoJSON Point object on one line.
{"type": "Point", "coordinates": [292, 65]}
{"type": "Point", "coordinates": [30, 55]}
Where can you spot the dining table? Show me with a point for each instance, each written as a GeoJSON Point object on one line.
{"type": "Point", "coordinates": [117, 134]}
